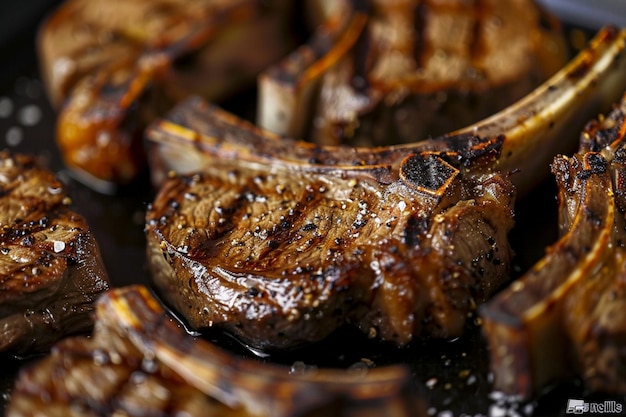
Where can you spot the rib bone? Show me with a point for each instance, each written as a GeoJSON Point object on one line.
{"type": "Point", "coordinates": [112, 67]}
{"type": "Point", "coordinates": [564, 316]}
{"type": "Point", "coordinates": [141, 362]}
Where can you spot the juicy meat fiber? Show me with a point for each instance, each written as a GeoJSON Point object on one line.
{"type": "Point", "coordinates": [284, 252]}
{"type": "Point", "coordinates": [50, 265]}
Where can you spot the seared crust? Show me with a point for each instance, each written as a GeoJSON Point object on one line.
{"type": "Point", "coordinates": [112, 67]}
{"type": "Point", "coordinates": [284, 251]}
{"type": "Point", "coordinates": [140, 362]}
{"type": "Point", "coordinates": [398, 71]}
{"type": "Point", "coordinates": [565, 316]}
{"type": "Point", "coordinates": [50, 266]}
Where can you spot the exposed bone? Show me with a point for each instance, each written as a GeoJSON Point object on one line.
{"type": "Point", "coordinates": [141, 362]}
{"type": "Point", "coordinates": [565, 316]}
{"type": "Point", "coordinates": [533, 129]}
{"type": "Point", "coordinates": [111, 67]}
{"type": "Point", "coordinates": [381, 72]}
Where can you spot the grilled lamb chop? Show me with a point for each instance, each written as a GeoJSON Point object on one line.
{"type": "Point", "coordinates": [281, 253]}
{"type": "Point", "coordinates": [50, 266]}
{"type": "Point", "coordinates": [565, 316]}
{"type": "Point", "coordinates": [280, 242]}
{"type": "Point", "coordinates": [534, 129]}
{"type": "Point", "coordinates": [141, 362]}
{"type": "Point", "coordinates": [381, 72]}
{"type": "Point", "coordinates": [111, 67]}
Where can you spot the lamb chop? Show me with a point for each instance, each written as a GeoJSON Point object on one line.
{"type": "Point", "coordinates": [50, 265]}
{"type": "Point", "coordinates": [141, 362]}
{"type": "Point", "coordinates": [280, 242]}
{"type": "Point", "coordinates": [565, 316]}
{"type": "Point", "coordinates": [111, 67]}
{"type": "Point", "coordinates": [381, 72]}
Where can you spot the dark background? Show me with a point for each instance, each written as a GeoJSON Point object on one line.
{"type": "Point", "coordinates": [453, 376]}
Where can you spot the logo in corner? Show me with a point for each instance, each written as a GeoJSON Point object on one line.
{"type": "Point", "coordinates": [575, 406]}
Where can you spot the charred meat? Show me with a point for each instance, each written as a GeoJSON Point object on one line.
{"type": "Point", "coordinates": [281, 241]}
{"type": "Point", "coordinates": [141, 362]}
{"type": "Point", "coordinates": [111, 67]}
{"type": "Point", "coordinates": [50, 266]}
{"type": "Point", "coordinates": [380, 72]}
{"type": "Point", "coordinates": [566, 315]}
{"type": "Point", "coordinates": [282, 252]}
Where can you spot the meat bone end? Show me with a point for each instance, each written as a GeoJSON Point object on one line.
{"type": "Point", "coordinates": [337, 233]}
{"type": "Point", "coordinates": [144, 363]}
{"type": "Point", "coordinates": [561, 318]}
{"type": "Point", "coordinates": [110, 68]}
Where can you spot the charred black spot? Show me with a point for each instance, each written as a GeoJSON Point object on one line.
{"type": "Point", "coordinates": [582, 70]}
{"type": "Point", "coordinates": [597, 165]}
{"type": "Point", "coordinates": [359, 223]}
{"type": "Point", "coordinates": [309, 227]}
{"type": "Point", "coordinates": [429, 172]}
{"type": "Point", "coordinates": [594, 218]}
{"type": "Point", "coordinates": [173, 204]}
{"type": "Point", "coordinates": [467, 149]}
{"type": "Point", "coordinates": [416, 227]}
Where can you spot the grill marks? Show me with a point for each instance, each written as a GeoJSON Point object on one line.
{"type": "Point", "coordinates": [288, 255]}
{"type": "Point", "coordinates": [476, 46]}
{"type": "Point", "coordinates": [425, 11]}
{"type": "Point", "coordinates": [420, 44]}
{"type": "Point", "coordinates": [50, 266]}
